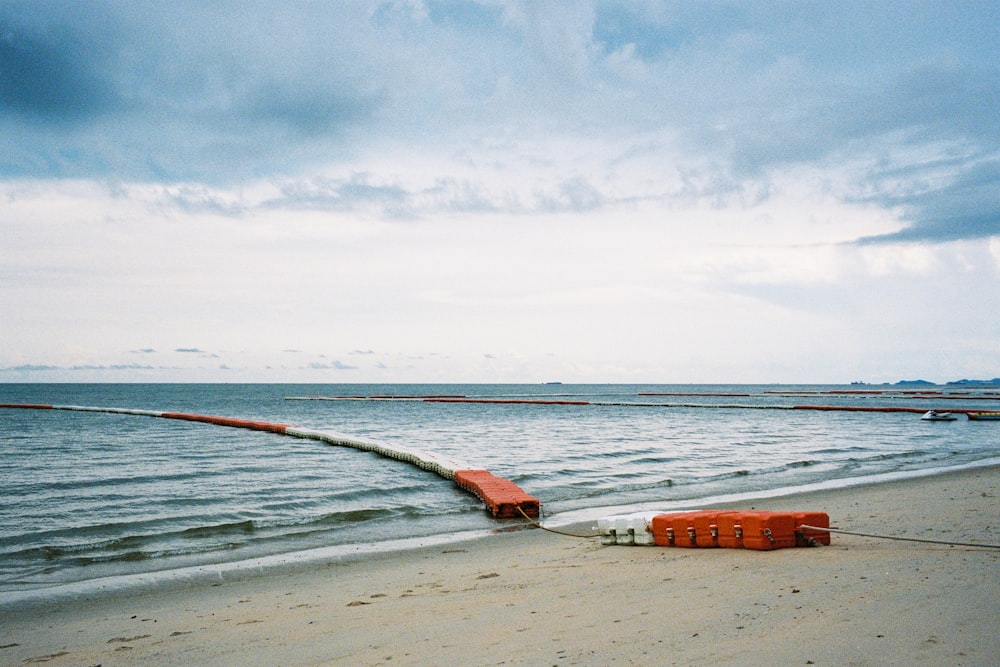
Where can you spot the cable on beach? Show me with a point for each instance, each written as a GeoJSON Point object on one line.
{"type": "Point", "coordinates": [553, 530]}
{"type": "Point", "coordinates": [906, 539]}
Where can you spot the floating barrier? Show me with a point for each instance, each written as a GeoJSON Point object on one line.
{"type": "Point", "coordinates": [502, 497]}
{"type": "Point", "coordinates": [653, 404]}
{"type": "Point", "coordinates": [731, 529]}
{"type": "Point", "coordinates": [858, 408]}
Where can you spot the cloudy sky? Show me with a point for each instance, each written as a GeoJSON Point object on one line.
{"type": "Point", "coordinates": [499, 191]}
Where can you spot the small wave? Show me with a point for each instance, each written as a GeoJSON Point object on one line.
{"type": "Point", "coordinates": [217, 530]}
{"type": "Point", "coordinates": [142, 546]}
{"type": "Point", "coordinates": [333, 519]}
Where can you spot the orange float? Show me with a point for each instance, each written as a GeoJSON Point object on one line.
{"type": "Point", "coordinates": [740, 529]}
{"type": "Point", "coordinates": [502, 497]}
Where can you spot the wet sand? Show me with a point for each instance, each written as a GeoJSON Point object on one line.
{"type": "Point", "coordinates": [530, 597]}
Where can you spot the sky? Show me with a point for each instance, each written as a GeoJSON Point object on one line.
{"type": "Point", "coordinates": [499, 191]}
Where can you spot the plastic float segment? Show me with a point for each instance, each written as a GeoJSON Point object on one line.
{"type": "Point", "coordinates": [626, 529]}
{"type": "Point", "coordinates": [606, 527]}
{"type": "Point", "coordinates": [730, 529]}
{"type": "Point", "coordinates": [682, 526]}
{"type": "Point", "coordinates": [637, 525]}
{"type": "Point", "coordinates": [764, 531]}
{"type": "Point", "coordinates": [694, 529]}
{"type": "Point", "coordinates": [706, 528]}
{"type": "Point", "coordinates": [643, 532]}
{"type": "Point", "coordinates": [672, 529]}
{"type": "Point", "coordinates": [806, 537]}
{"type": "Point", "coordinates": [502, 497]}
{"type": "Point", "coordinates": [663, 532]}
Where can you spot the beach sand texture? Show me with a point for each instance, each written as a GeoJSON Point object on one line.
{"type": "Point", "coordinates": [530, 597]}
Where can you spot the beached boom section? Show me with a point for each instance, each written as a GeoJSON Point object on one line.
{"type": "Point", "coordinates": [502, 498]}
{"type": "Point", "coordinates": [732, 529]}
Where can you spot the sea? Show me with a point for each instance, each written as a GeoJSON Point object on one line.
{"type": "Point", "coordinates": [96, 500]}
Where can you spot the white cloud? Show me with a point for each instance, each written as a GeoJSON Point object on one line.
{"type": "Point", "coordinates": [599, 191]}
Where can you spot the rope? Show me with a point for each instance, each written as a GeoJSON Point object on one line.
{"type": "Point", "coordinates": [552, 530]}
{"type": "Point", "coordinates": [905, 539]}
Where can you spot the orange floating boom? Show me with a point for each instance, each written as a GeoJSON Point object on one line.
{"type": "Point", "coordinates": [228, 421]}
{"type": "Point", "coordinates": [505, 401]}
{"type": "Point", "coordinates": [858, 408]}
{"type": "Point", "coordinates": [503, 498]}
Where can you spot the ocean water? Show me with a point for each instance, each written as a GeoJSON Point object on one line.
{"type": "Point", "coordinates": [87, 496]}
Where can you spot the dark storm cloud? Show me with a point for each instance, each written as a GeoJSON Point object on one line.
{"type": "Point", "coordinates": [219, 93]}
{"type": "Point", "coordinates": [198, 91]}
{"type": "Point", "coordinates": [967, 207]}
{"type": "Point", "coordinates": [51, 79]}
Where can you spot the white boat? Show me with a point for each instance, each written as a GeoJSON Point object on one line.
{"type": "Point", "coordinates": [935, 416]}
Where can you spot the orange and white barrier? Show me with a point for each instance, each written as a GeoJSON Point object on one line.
{"type": "Point", "coordinates": [733, 529]}
{"type": "Point", "coordinates": [502, 497]}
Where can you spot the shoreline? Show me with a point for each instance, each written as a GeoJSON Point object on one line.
{"type": "Point", "coordinates": [578, 520]}
{"type": "Point", "coordinates": [533, 597]}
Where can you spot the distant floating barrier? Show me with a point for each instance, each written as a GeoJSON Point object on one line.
{"type": "Point", "coordinates": [655, 404]}
{"type": "Point", "coordinates": [688, 393]}
{"type": "Point", "coordinates": [502, 497]}
{"type": "Point", "coordinates": [860, 408]}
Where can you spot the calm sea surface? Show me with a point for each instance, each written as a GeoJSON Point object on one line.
{"type": "Point", "coordinates": [89, 495]}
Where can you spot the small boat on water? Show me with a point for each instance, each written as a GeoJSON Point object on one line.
{"type": "Point", "coordinates": [984, 416]}
{"type": "Point", "coordinates": [935, 416]}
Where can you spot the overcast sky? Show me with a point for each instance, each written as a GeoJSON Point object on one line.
{"type": "Point", "coordinates": [499, 191]}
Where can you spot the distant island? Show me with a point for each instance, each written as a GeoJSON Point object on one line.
{"type": "Point", "coordinates": [995, 382]}
{"type": "Point", "coordinates": [978, 383]}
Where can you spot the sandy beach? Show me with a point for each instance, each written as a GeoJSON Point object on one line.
{"type": "Point", "coordinates": [531, 597]}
